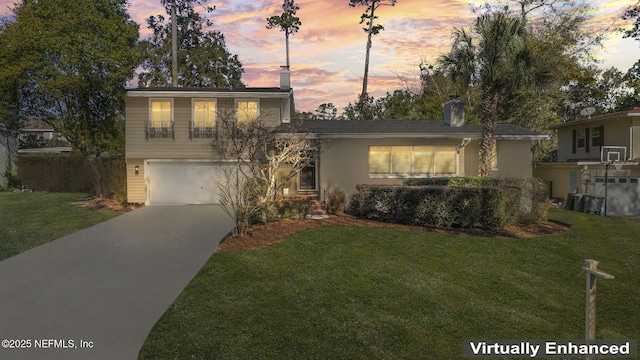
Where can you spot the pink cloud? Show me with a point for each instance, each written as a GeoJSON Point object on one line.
{"type": "Point", "coordinates": [328, 52]}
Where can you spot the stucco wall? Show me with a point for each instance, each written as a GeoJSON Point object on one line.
{"type": "Point", "coordinates": [345, 162]}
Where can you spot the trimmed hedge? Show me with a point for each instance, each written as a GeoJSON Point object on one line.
{"type": "Point", "coordinates": [467, 205]}
{"type": "Point", "coordinates": [442, 206]}
{"type": "Point", "coordinates": [477, 181]}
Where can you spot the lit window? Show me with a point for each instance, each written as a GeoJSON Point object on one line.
{"type": "Point", "coordinates": [248, 110]}
{"type": "Point", "coordinates": [379, 160]}
{"type": "Point", "coordinates": [160, 123]}
{"type": "Point", "coordinates": [204, 113]}
{"type": "Point", "coordinates": [160, 113]}
{"type": "Point", "coordinates": [412, 160]}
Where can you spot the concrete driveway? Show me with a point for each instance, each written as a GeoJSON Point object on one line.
{"type": "Point", "coordinates": [97, 293]}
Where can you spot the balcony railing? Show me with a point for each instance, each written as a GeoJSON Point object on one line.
{"type": "Point", "coordinates": [202, 131]}
{"type": "Point", "coordinates": [160, 130]}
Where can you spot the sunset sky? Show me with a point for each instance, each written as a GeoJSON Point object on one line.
{"type": "Point", "coordinates": [327, 54]}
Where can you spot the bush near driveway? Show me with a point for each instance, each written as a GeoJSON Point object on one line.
{"type": "Point", "coordinates": [29, 220]}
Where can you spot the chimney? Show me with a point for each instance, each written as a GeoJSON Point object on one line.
{"type": "Point", "coordinates": [454, 112]}
{"type": "Point", "coordinates": [285, 78]}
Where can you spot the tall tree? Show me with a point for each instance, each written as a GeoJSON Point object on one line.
{"type": "Point", "coordinates": [369, 18]}
{"type": "Point", "coordinates": [326, 111]}
{"type": "Point", "coordinates": [203, 58]}
{"type": "Point", "coordinates": [287, 22]}
{"type": "Point", "coordinates": [69, 61]}
{"type": "Point", "coordinates": [496, 57]}
{"type": "Point", "coordinates": [633, 13]}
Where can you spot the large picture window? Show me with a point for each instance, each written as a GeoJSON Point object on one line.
{"type": "Point", "coordinates": [412, 160]}
{"type": "Point", "coordinates": [248, 110]}
{"type": "Point", "coordinates": [160, 118]}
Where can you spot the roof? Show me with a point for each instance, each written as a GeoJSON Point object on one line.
{"type": "Point", "coordinates": [404, 128]}
{"type": "Point", "coordinates": [614, 115]}
{"type": "Point", "coordinates": [259, 92]}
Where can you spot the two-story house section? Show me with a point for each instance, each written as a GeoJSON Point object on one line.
{"type": "Point", "coordinates": [169, 132]}
{"type": "Point", "coordinates": [581, 164]}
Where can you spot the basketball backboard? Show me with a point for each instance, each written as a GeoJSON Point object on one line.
{"type": "Point", "coordinates": [612, 154]}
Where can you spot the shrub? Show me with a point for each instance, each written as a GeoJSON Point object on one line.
{"type": "Point", "coordinates": [336, 201]}
{"type": "Point", "coordinates": [442, 206]}
{"type": "Point", "coordinates": [470, 181]}
{"type": "Point", "coordinates": [530, 199]}
{"type": "Point", "coordinates": [294, 208]}
{"type": "Point", "coordinates": [13, 181]}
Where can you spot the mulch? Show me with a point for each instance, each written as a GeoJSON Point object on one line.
{"type": "Point", "coordinates": [263, 235]}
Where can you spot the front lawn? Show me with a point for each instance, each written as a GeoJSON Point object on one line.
{"type": "Point", "coordinates": [28, 220]}
{"type": "Point", "coordinates": [352, 292]}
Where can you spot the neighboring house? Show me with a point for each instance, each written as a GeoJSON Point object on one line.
{"type": "Point", "coordinates": [580, 167]}
{"type": "Point", "coordinates": [36, 132]}
{"type": "Point", "coordinates": [169, 160]}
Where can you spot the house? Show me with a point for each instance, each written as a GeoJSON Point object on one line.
{"type": "Point", "coordinates": [169, 132]}
{"type": "Point", "coordinates": [35, 133]}
{"type": "Point", "coordinates": [169, 161]}
{"type": "Point", "coordinates": [597, 155]}
{"type": "Point", "coordinates": [389, 151]}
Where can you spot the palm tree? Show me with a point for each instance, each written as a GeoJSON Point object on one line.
{"type": "Point", "coordinates": [502, 60]}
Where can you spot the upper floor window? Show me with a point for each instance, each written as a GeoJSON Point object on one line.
{"type": "Point", "coordinates": [412, 160]}
{"type": "Point", "coordinates": [581, 136]}
{"type": "Point", "coordinates": [248, 110]}
{"type": "Point", "coordinates": [597, 136]}
{"type": "Point", "coordinates": [160, 123]}
{"type": "Point", "coordinates": [204, 118]}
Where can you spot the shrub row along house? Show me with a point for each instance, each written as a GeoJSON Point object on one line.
{"type": "Point", "coordinates": [588, 150]}
{"type": "Point", "coordinates": [169, 132]}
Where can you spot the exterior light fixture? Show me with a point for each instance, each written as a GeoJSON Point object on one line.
{"type": "Point", "coordinates": [137, 169]}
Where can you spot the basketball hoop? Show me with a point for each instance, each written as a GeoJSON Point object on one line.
{"type": "Point", "coordinates": [618, 165]}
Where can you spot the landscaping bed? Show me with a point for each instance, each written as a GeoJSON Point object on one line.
{"type": "Point", "coordinates": [263, 235]}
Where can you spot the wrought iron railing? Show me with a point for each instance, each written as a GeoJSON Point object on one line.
{"type": "Point", "coordinates": [160, 130]}
{"type": "Point", "coordinates": [202, 131]}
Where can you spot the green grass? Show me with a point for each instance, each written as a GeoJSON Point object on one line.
{"type": "Point", "coordinates": [362, 293]}
{"type": "Point", "coordinates": [28, 220]}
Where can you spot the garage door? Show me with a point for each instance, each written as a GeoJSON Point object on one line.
{"type": "Point", "coordinates": [183, 182]}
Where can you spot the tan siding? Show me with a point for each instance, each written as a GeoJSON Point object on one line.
{"type": "Point", "coordinates": [136, 191]}
{"type": "Point", "coordinates": [181, 147]}
{"type": "Point", "coordinates": [270, 111]}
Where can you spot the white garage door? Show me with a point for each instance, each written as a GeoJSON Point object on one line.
{"type": "Point", "coordinates": [183, 182]}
